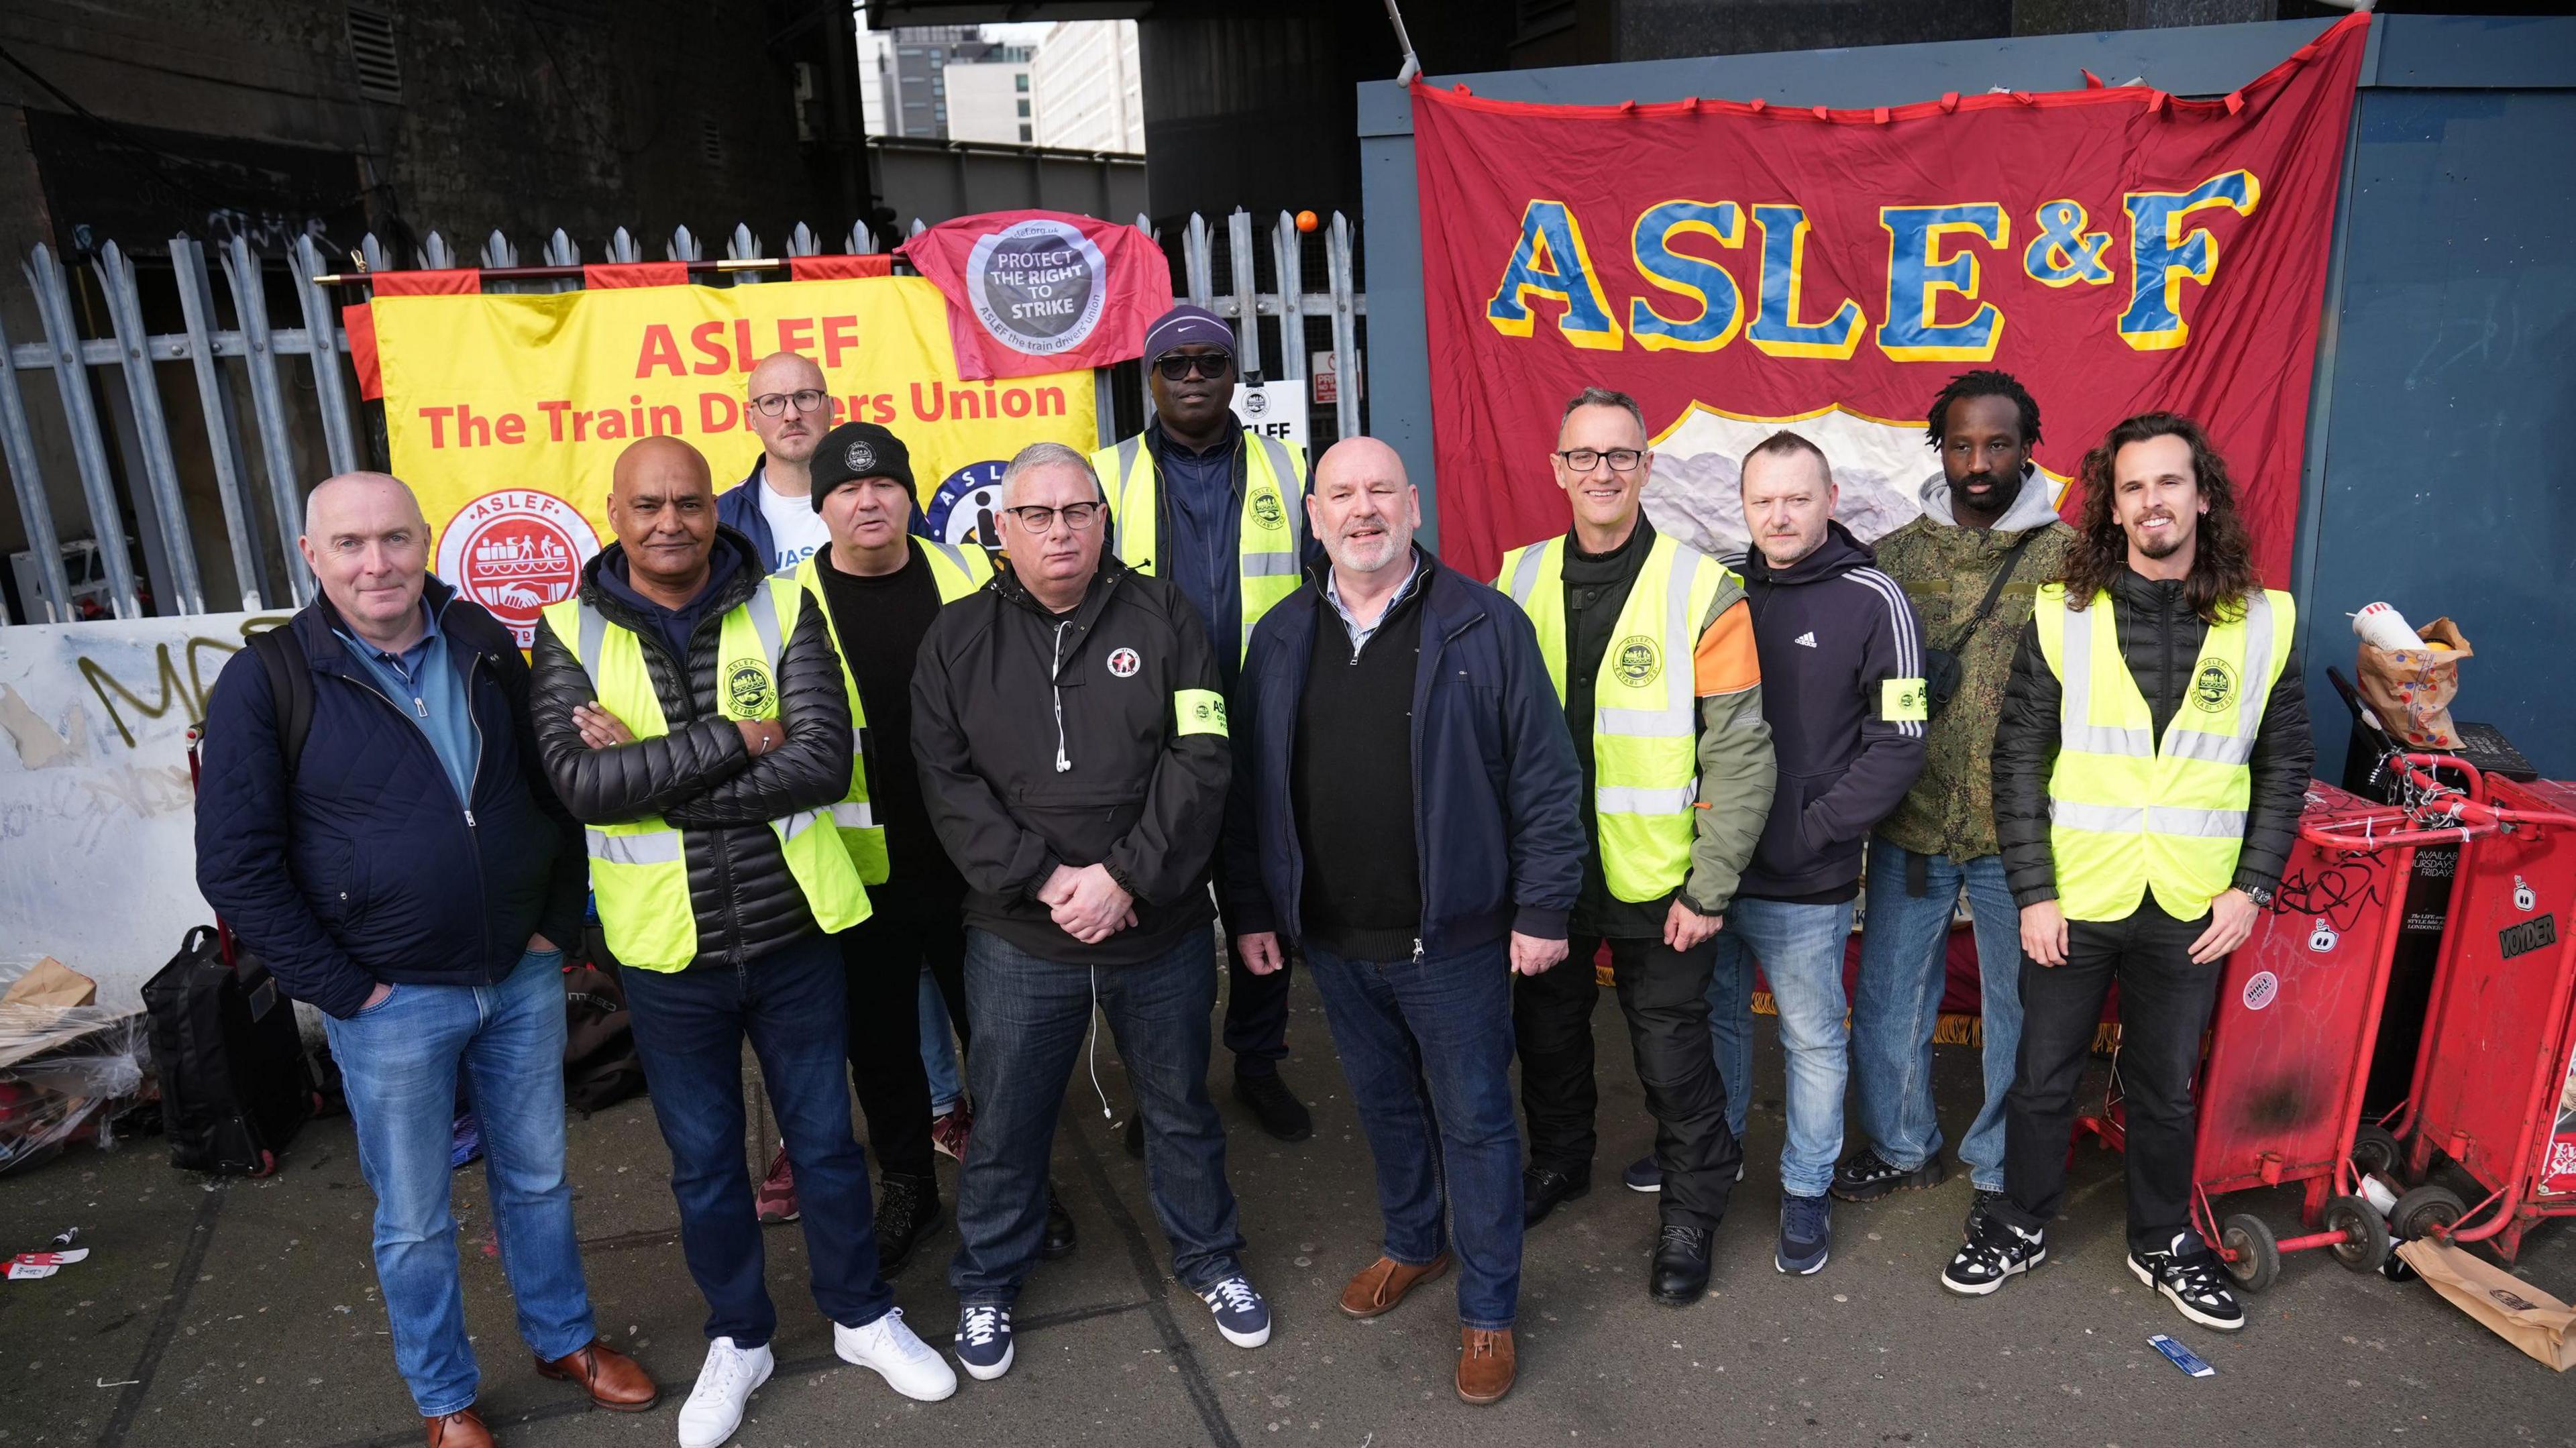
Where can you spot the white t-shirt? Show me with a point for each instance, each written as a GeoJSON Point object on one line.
{"type": "Point", "coordinates": [795, 528]}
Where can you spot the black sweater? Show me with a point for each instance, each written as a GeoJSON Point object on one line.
{"type": "Point", "coordinates": [881, 622]}
{"type": "Point", "coordinates": [1351, 785]}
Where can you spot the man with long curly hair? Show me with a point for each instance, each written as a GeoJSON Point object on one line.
{"type": "Point", "coordinates": [2148, 774]}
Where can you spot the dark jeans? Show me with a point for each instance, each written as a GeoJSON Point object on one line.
{"type": "Point", "coordinates": [1256, 1006]}
{"type": "Point", "coordinates": [1663, 993]}
{"type": "Point", "coordinates": [882, 957]}
{"type": "Point", "coordinates": [1030, 1018]}
{"type": "Point", "coordinates": [2165, 1002]}
{"type": "Point", "coordinates": [1427, 1048]}
{"type": "Point", "coordinates": [689, 1030]}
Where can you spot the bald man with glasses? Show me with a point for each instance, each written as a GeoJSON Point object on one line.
{"type": "Point", "coordinates": [788, 406]}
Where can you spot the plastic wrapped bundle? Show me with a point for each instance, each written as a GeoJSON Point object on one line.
{"type": "Point", "coordinates": [65, 1069]}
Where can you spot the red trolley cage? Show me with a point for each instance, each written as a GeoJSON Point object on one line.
{"type": "Point", "coordinates": [2495, 1084]}
{"type": "Point", "coordinates": [2289, 1044]}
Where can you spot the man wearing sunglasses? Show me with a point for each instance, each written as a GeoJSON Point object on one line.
{"type": "Point", "coordinates": [1650, 645]}
{"type": "Point", "coordinates": [1218, 509]}
{"type": "Point", "coordinates": [786, 405]}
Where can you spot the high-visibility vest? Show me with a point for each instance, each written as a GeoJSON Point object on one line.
{"type": "Point", "coordinates": [1269, 540]}
{"type": "Point", "coordinates": [1645, 722]}
{"type": "Point", "coordinates": [2129, 814]}
{"type": "Point", "coordinates": [957, 576]}
{"type": "Point", "coordinates": [639, 874]}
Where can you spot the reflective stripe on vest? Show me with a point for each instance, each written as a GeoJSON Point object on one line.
{"type": "Point", "coordinates": [1645, 757]}
{"type": "Point", "coordinates": [2130, 816]}
{"type": "Point", "coordinates": [639, 870]}
{"type": "Point", "coordinates": [956, 576]}
{"type": "Point", "coordinates": [1269, 534]}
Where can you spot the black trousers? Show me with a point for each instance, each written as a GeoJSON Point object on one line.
{"type": "Point", "coordinates": [2165, 1001]}
{"type": "Point", "coordinates": [1256, 1006]}
{"type": "Point", "coordinates": [1663, 993]}
{"type": "Point", "coordinates": [882, 957]}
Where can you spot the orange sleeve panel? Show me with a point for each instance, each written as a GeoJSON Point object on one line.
{"type": "Point", "coordinates": [1725, 661]}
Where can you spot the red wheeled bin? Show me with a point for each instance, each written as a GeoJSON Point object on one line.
{"type": "Point", "coordinates": [2495, 1086]}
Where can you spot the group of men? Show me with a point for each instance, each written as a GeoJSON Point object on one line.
{"type": "Point", "coordinates": [806, 757]}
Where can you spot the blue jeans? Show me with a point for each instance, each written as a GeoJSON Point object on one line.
{"type": "Point", "coordinates": [1904, 963]}
{"type": "Point", "coordinates": [1800, 948]}
{"type": "Point", "coordinates": [938, 1049]}
{"type": "Point", "coordinates": [1030, 1015]}
{"type": "Point", "coordinates": [399, 1061]}
{"type": "Point", "coordinates": [689, 1030]}
{"type": "Point", "coordinates": [1427, 1048]}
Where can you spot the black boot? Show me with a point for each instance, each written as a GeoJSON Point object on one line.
{"type": "Point", "coordinates": [1058, 1241]}
{"type": "Point", "coordinates": [907, 1211]}
{"type": "Point", "coordinates": [1680, 1273]}
{"type": "Point", "coordinates": [1543, 1188]}
{"type": "Point", "coordinates": [1276, 1107]}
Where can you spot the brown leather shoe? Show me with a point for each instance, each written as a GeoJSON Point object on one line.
{"type": "Point", "coordinates": [1383, 1283]}
{"type": "Point", "coordinates": [460, 1429]}
{"type": "Point", "coordinates": [1486, 1365]}
{"type": "Point", "coordinates": [613, 1380]}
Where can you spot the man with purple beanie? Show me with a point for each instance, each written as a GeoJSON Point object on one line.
{"type": "Point", "coordinates": [1219, 510]}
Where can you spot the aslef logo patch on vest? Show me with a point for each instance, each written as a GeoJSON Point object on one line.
{"type": "Point", "coordinates": [747, 685]}
{"type": "Point", "coordinates": [2213, 687]}
{"type": "Point", "coordinates": [966, 507]}
{"type": "Point", "coordinates": [1124, 663]}
{"type": "Point", "coordinates": [1267, 511]}
{"type": "Point", "coordinates": [1637, 660]}
{"type": "Point", "coordinates": [514, 552]}
{"type": "Point", "coordinates": [861, 459]}
{"type": "Point", "coordinates": [1038, 286]}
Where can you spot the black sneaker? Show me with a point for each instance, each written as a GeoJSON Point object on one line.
{"type": "Point", "coordinates": [2194, 1283]}
{"type": "Point", "coordinates": [1983, 1203]}
{"type": "Point", "coordinates": [1136, 1134]}
{"type": "Point", "coordinates": [1865, 1176]}
{"type": "Point", "coordinates": [907, 1211]}
{"type": "Point", "coordinates": [1544, 1188]}
{"type": "Point", "coordinates": [1995, 1251]}
{"type": "Point", "coordinates": [1277, 1108]}
{"type": "Point", "coordinates": [1645, 1174]}
{"type": "Point", "coordinates": [1059, 1239]}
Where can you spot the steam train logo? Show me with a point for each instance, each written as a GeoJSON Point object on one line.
{"type": "Point", "coordinates": [515, 552]}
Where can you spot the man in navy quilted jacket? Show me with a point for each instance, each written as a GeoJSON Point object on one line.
{"type": "Point", "coordinates": [406, 868]}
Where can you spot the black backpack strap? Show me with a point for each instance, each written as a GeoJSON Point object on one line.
{"type": "Point", "coordinates": [290, 682]}
{"type": "Point", "coordinates": [1995, 590]}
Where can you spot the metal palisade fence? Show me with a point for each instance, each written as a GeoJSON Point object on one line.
{"type": "Point", "coordinates": [231, 385]}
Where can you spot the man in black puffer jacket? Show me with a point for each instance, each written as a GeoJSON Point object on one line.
{"type": "Point", "coordinates": [2149, 772]}
{"type": "Point", "coordinates": [690, 712]}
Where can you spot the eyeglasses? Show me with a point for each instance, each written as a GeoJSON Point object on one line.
{"type": "Point", "coordinates": [1176, 365]}
{"type": "Point", "coordinates": [1038, 518]}
{"type": "Point", "coordinates": [1585, 459]}
{"type": "Point", "coordinates": [773, 404]}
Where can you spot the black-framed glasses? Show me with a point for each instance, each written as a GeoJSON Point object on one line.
{"type": "Point", "coordinates": [1038, 518]}
{"type": "Point", "coordinates": [1176, 365]}
{"type": "Point", "coordinates": [775, 404]}
{"type": "Point", "coordinates": [1585, 459]}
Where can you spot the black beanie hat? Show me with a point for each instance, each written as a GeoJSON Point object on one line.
{"type": "Point", "coordinates": [857, 450]}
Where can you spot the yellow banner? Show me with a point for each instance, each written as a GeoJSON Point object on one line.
{"type": "Point", "coordinates": [506, 413]}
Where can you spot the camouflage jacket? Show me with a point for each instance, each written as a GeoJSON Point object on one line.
{"type": "Point", "coordinates": [1945, 569]}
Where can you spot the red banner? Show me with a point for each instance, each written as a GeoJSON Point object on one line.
{"type": "Point", "coordinates": [1042, 291]}
{"type": "Point", "coordinates": [1741, 267]}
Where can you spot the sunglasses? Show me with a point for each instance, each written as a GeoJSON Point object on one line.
{"type": "Point", "coordinates": [1177, 365]}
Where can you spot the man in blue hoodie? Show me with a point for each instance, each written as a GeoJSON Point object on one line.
{"type": "Point", "coordinates": [788, 406]}
{"type": "Point", "coordinates": [1842, 675]}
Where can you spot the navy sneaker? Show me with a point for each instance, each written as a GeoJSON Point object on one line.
{"type": "Point", "coordinates": [1643, 1175]}
{"type": "Point", "coordinates": [984, 1341]}
{"type": "Point", "coordinates": [1240, 1313]}
{"type": "Point", "coordinates": [1806, 1234]}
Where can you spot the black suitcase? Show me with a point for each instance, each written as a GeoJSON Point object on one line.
{"type": "Point", "coordinates": [235, 1085]}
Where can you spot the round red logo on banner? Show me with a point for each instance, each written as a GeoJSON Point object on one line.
{"type": "Point", "coordinates": [514, 552]}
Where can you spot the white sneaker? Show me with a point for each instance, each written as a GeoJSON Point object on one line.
{"type": "Point", "coordinates": [727, 1381]}
{"type": "Point", "coordinates": [890, 1350]}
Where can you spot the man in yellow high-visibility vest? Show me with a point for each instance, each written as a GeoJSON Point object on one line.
{"type": "Point", "coordinates": [690, 712]}
{"type": "Point", "coordinates": [1218, 509]}
{"type": "Point", "coordinates": [1650, 646]}
{"type": "Point", "coordinates": [2149, 772]}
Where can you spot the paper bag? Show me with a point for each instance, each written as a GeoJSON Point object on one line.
{"type": "Point", "coordinates": [51, 983]}
{"type": "Point", "coordinates": [2411, 689]}
{"type": "Point", "coordinates": [2513, 1309]}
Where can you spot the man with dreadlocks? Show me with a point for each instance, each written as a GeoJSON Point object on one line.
{"type": "Point", "coordinates": [2149, 772]}
{"type": "Point", "coordinates": [1971, 565]}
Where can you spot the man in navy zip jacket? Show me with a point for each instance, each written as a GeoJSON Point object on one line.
{"type": "Point", "coordinates": [1842, 687]}
{"type": "Point", "coordinates": [410, 877]}
{"type": "Point", "coordinates": [1406, 808]}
